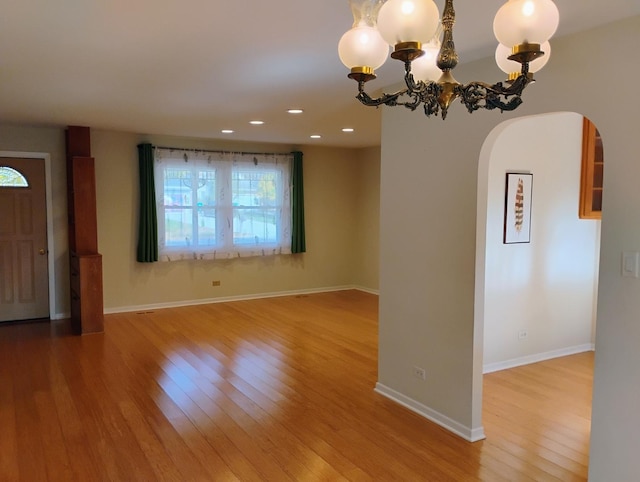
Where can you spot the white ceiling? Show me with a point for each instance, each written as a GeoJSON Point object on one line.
{"type": "Point", "coordinates": [194, 67]}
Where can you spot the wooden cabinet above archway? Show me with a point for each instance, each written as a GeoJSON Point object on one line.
{"type": "Point", "coordinates": [592, 172]}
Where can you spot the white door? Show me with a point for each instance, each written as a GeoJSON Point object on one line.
{"type": "Point", "coordinates": [24, 278]}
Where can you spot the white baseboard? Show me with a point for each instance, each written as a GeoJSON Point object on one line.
{"type": "Point", "coordinates": [366, 290]}
{"type": "Point", "coordinates": [469, 434]}
{"type": "Point", "coordinates": [206, 301]}
{"type": "Point", "coordinates": [61, 316]}
{"type": "Point", "coordinates": [538, 357]}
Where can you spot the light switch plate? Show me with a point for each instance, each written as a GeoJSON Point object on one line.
{"type": "Point", "coordinates": [630, 264]}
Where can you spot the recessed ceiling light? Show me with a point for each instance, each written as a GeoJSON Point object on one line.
{"type": "Point", "coordinates": [315, 136]}
{"type": "Point", "coordinates": [347, 129]}
{"type": "Point", "coordinates": [256, 122]}
{"type": "Point", "coordinates": [295, 111]}
{"type": "Point", "coordinates": [227, 131]}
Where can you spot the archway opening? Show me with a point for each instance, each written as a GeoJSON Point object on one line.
{"type": "Point", "coordinates": [536, 298]}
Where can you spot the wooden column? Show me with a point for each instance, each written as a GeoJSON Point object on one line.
{"type": "Point", "coordinates": [87, 310]}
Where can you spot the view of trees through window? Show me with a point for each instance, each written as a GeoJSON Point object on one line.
{"type": "Point", "coordinates": [190, 207]}
{"type": "Point", "coordinates": [195, 200]}
{"type": "Point", "coordinates": [254, 206]}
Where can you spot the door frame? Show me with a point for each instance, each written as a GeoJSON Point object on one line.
{"type": "Point", "coordinates": [49, 200]}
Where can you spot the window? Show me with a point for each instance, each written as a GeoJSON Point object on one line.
{"type": "Point", "coordinates": [185, 188]}
{"type": "Point", "coordinates": [255, 205]}
{"type": "Point", "coordinates": [218, 205]}
{"type": "Point", "coordinates": [9, 177]}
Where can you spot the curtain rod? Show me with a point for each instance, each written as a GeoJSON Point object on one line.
{"type": "Point", "coordinates": [242, 153]}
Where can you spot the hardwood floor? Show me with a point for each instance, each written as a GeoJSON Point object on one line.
{"type": "Point", "coordinates": [267, 390]}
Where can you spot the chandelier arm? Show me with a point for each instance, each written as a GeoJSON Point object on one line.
{"type": "Point", "coordinates": [410, 81]}
{"type": "Point", "coordinates": [476, 95]}
{"type": "Point", "coordinates": [514, 88]}
{"type": "Point", "coordinates": [389, 99]}
{"type": "Point", "coordinates": [414, 103]}
{"type": "Point", "coordinates": [392, 99]}
{"type": "Point", "coordinates": [426, 93]}
{"type": "Point", "coordinates": [384, 99]}
{"type": "Point", "coordinates": [414, 89]}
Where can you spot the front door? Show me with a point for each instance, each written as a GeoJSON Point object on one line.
{"type": "Point", "coordinates": [24, 278]}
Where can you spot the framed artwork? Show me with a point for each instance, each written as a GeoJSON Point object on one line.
{"type": "Point", "coordinates": [517, 208]}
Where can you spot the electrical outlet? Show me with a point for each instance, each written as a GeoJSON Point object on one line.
{"type": "Point", "coordinates": [419, 373]}
{"type": "Point", "coordinates": [215, 283]}
{"type": "Point", "coordinates": [523, 334]}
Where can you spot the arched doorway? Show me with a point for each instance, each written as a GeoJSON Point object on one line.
{"type": "Point", "coordinates": [538, 295]}
{"type": "Point", "coordinates": [535, 299]}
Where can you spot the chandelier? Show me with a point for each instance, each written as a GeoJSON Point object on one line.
{"type": "Point", "coordinates": [425, 45]}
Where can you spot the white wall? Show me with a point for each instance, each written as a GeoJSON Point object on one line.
{"type": "Point", "coordinates": [429, 174]}
{"type": "Point", "coordinates": [546, 287]}
{"type": "Point", "coordinates": [367, 231]}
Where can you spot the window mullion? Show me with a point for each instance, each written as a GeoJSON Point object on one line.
{"type": "Point", "coordinates": [195, 179]}
{"type": "Point", "coordinates": [224, 221]}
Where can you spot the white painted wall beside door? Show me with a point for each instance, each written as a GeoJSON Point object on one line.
{"type": "Point", "coordinates": [24, 278]}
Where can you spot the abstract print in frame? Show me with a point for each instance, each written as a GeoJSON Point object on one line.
{"type": "Point", "coordinates": [517, 208]}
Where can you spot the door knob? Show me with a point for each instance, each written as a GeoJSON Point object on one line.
{"type": "Point", "coordinates": [42, 251]}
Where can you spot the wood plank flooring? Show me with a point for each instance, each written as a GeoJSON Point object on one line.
{"type": "Point", "coordinates": [278, 389]}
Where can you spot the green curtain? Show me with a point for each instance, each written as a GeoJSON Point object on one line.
{"type": "Point", "coordinates": [148, 222]}
{"type": "Point", "coordinates": [298, 244]}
